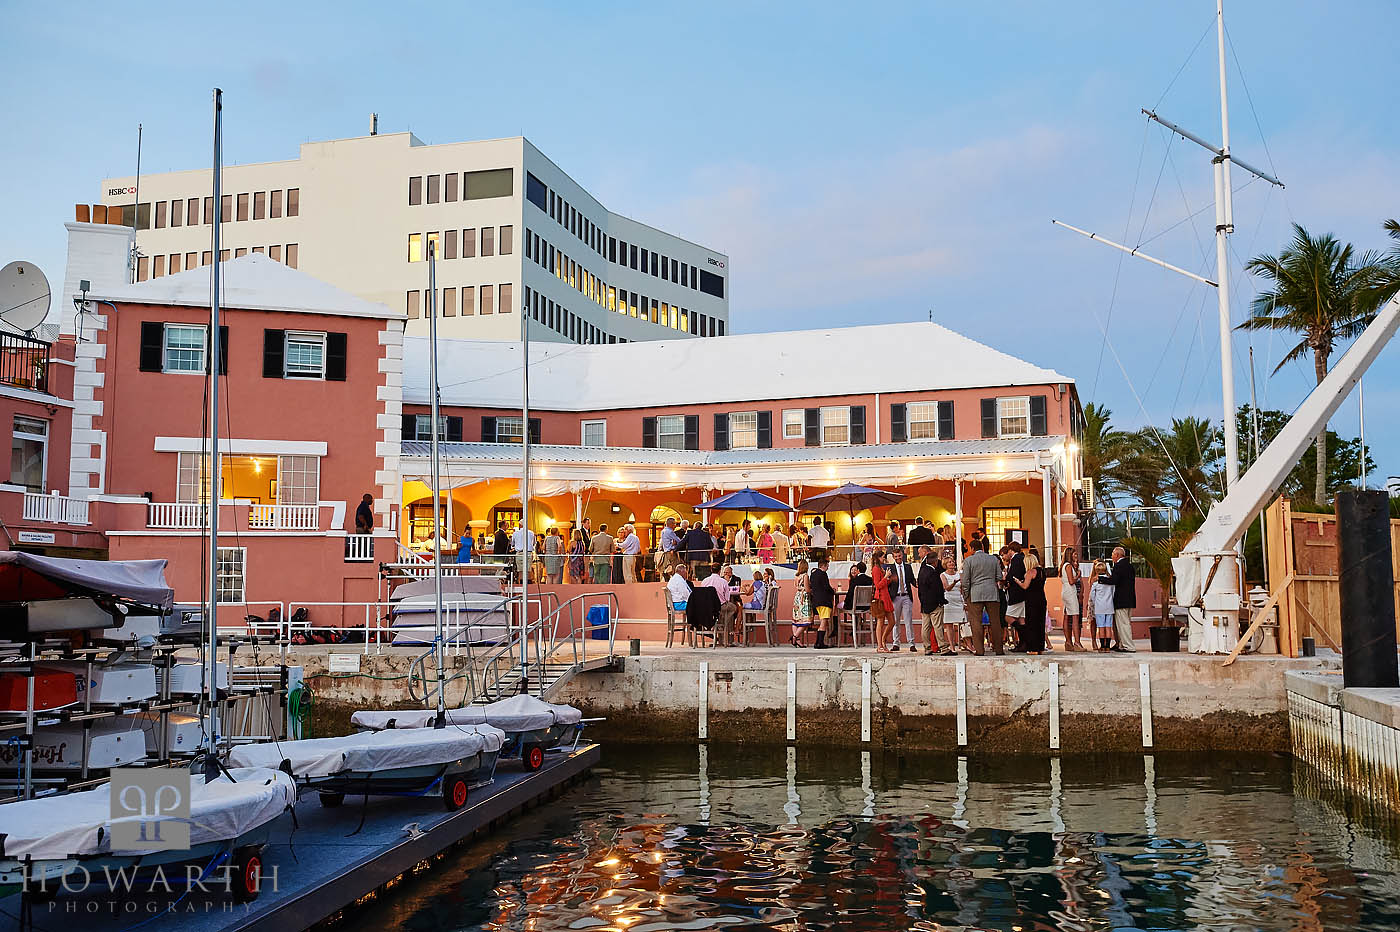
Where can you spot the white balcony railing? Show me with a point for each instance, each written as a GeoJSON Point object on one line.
{"type": "Point", "coordinates": [55, 509]}
{"type": "Point", "coordinates": [177, 515]}
{"type": "Point", "coordinates": [193, 515]}
{"type": "Point", "coordinates": [284, 517]}
{"type": "Point", "coordinates": [359, 548]}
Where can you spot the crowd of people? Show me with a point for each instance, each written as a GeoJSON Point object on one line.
{"type": "Point", "coordinates": [996, 601]}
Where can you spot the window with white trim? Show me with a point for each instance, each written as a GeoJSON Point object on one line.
{"type": "Point", "coordinates": [423, 427]}
{"type": "Point", "coordinates": [185, 346]}
{"type": "Point", "coordinates": [794, 424]}
{"type": "Point", "coordinates": [29, 452]}
{"type": "Point", "coordinates": [670, 431]}
{"type": "Point", "coordinates": [923, 420]}
{"type": "Point", "coordinates": [836, 426]}
{"type": "Point", "coordinates": [510, 430]}
{"type": "Point", "coordinates": [304, 355]}
{"type": "Point", "coordinates": [231, 574]}
{"type": "Point", "coordinates": [192, 478]}
{"type": "Point", "coordinates": [743, 430]}
{"type": "Point", "coordinates": [595, 433]}
{"type": "Point", "coordinates": [1014, 417]}
{"type": "Point", "coordinates": [298, 480]}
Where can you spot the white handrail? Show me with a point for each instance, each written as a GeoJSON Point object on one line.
{"type": "Point", "coordinates": [55, 508]}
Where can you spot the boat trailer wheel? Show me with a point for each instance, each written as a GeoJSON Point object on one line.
{"type": "Point", "coordinates": [454, 792]}
{"type": "Point", "coordinates": [532, 756]}
{"type": "Point", "coordinates": [247, 874]}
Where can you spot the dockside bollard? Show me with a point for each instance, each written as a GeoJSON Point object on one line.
{"type": "Point", "coordinates": [1367, 599]}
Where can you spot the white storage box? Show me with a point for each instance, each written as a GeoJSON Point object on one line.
{"type": "Point", "coordinates": [118, 684]}
{"type": "Point", "coordinates": [182, 730]}
{"type": "Point", "coordinates": [187, 679]}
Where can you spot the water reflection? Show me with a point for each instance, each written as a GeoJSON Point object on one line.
{"type": "Point", "coordinates": [816, 839]}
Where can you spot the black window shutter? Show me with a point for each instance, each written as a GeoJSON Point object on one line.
{"type": "Point", "coordinates": [812, 426]}
{"type": "Point", "coordinates": [649, 432]}
{"type": "Point", "coordinates": [857, 423]}
{"type": "Point", "coordinates": [945, 420]}
{"type": "Point", "coordinates": [409, 430]}
{"type": "Point", "coordinates": [335, 357]}
{"type": "Point", "coordinates": [152, 345]}
{"type": "Point", "coordinates": [273, 343]}
{"type": "Point", "coordinates": [223, 349]}
{"type": "Point", "coordinates": [454, 429]}
{"type": "Point", "coordinates": [989, 417]}
{"type": "Point", "coordinates": [898, 431]}
{"type": "Point", "coordinates": [765, 430]}
{"type": "Point", "coordinates": [1039, 422]}
{"type": "Point", "coordinates": [534, 430]}
{"type": "Point", "coordinates": [488, 429]}
{"type": "Point", "coordinates": [692, 431]}
{"type": "Point", "coordinates": [721, 431]}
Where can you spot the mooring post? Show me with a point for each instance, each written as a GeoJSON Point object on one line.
{"type": "Point", "coordinates": [791, 701]}
{"type": "Point", "coordinates": [1054, 706]}
{"type": "Point", "coordinates": [1367, 593]}
{"type": "Point", "coordinates": [704, 700]}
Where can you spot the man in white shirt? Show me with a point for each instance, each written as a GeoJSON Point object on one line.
{"type": "Point", "coordinates": [679, 587]}
{"type": "Point", "coordinates": [821, 537]}
{"type": "Point", "coordinates": [630, 546]}
{"type": "Point", "coordinates": [741, 542]}
{"type": "Point", "coordinates": [780, 545]}
{"type": "Point", "coordinates": [522, 544]}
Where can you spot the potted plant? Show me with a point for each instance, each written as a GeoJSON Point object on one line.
{"type": "Point", "coordinates": [1157, 554]}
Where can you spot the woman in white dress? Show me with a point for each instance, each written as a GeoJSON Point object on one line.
{"type": "Point", "coordinates": [1070, 579]}
{"type": "Point", "coordinates": [955, 612]}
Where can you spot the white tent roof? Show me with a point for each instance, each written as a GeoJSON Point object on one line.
{"type": "Point", "coordinates": [913, 357]}
{"type": "Point", "coordinates": [252, 283]}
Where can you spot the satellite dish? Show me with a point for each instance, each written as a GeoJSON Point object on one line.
{"type": "Point", "coordinates": [24, 295]}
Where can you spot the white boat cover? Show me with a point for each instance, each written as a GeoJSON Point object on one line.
{"type": "Point", "coordinates": [516, 714]}
{"type": "Point", "coordinates": [79, 824]}
{"type": "Point", "coordinates": [370, 751]}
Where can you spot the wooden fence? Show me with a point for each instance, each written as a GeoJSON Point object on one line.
{"type": "Point", "coordinates": [1303, 561]}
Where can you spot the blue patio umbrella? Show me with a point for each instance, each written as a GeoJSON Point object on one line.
{"type": "Point", "coordinates": [850, 498]}
{"type": "Point", "coordinates": [746, 500]}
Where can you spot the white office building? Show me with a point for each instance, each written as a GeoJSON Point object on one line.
{"type": "Point", "coordinates": [510, 229]}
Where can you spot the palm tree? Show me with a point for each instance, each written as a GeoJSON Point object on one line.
{"type": "Point", "coordinates": [1141, 469]}
{"type": "Point", "coordinates": [1100, 448]}
{"type": "Point", "coordinates": [1321, 290]}
{"type": "Point", "coordinates": [1192, 477]}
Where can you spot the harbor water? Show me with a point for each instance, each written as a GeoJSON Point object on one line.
{"type": "Point", "coordinates": [726, 837]}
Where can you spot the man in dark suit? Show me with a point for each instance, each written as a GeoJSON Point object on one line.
{"type": "Point", "coordinates": [1015, 595]}
{"type": "Point", "coordinates": [697, 545]}
{"type": "Point", "coordinates": [902, 585]}
{"type": "Point", "coordinates": [920, 534]}
{"type": "Point", "coordinates": [1123, 578]}
{"type": "Point", "coordinates": [932, 599]}
{"type": "Point", "coordinates": [823, 600]}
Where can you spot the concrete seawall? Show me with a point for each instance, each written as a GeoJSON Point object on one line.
{"type": "Point", "coordinates": [1097, 702]}
{"type": "Point", "coordinates": [1012, 704]}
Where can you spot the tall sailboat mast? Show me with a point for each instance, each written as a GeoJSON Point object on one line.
{"type": "Point", "coordinates": [215, 486]}
{"type": "Point", "coordinates": [1224, 226]}
{"type": "Point", "coordinates": [529, 553]}
{"type": "Point", "coordinates": [437, 489]}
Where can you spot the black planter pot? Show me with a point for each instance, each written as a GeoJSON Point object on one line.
{"type": "Point", "coordinates": [1166, 639]}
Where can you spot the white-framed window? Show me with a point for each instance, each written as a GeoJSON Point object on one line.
{"type": "Point", "coordinates": [29, 452]}
{"type": "Point", "coordinates": [185, 346]}
{"type": "Point", "coordinates": [836, 426]}
{"type": "Point", "coordinates": [743, 430]}
{"type": "Point", "coordinates": [794, 424]}
{"type": "Point", "coordinates": [670, 431]}
{"type": "Point", "coordinates": [922, 418]}
{"type": "Point", "coordinates": [232, 575]}
{"type": "Point", "coordinates": [192, 478]}
{"type": "Point", "coordinates": [1014, 417]}
{"type": "Point", "coordinates": [423, 427]}
{"type": "Point", "coordinates": [304, 356]}
{"type": "Point", "coordinates": [510, 430]}
{"type": "Point", "coordinates": [594, 434]}
{"type": "Point", "coordinates": [298, 480]}
{"type": "Point", "coordinates": [997, 521]}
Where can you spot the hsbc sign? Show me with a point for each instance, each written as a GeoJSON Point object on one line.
{"type": "Point", "coordinates": [118, 192]}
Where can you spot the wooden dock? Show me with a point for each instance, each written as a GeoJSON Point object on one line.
{"type": "Point", "coordinates": [320, 866]}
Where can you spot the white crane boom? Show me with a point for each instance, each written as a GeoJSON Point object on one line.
{"type": "Point", "coordinates": [1207, 571]}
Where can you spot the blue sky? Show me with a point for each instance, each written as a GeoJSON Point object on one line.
{"type": "Point", "coordinates": [859, 163]}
